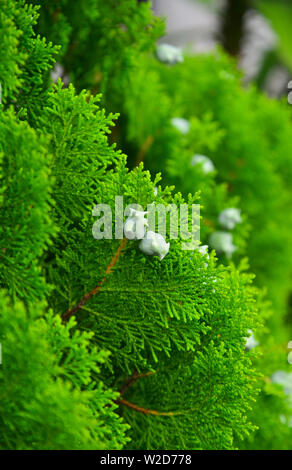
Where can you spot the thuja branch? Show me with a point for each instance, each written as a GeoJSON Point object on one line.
{"type": "Point", "coordinates": [128, 383]}
{"type": "Point", "coordinates": [144, 149]}
{"type": "Point", "coordinates": [96, 289]}
{"type": "Point", "coordinates": [131, 380]}
{"type": "Point", "coordinates": [141, 409]}
{"type": "Point", "coordinates": [146, 411]}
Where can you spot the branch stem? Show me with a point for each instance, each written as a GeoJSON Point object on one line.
{"type": "Point", "coordinates": [131, 380]}
{"type": "Point", "coordinates": [146, 411]}
{"type": "Point", "coordinates": [144, 149]}
{"type": "Point", "coordinates": [96, 289]}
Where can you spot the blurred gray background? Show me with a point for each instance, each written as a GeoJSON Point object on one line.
{"type": "Point", "coordinates": [199, 25]}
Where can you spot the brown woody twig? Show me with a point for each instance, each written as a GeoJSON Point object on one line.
{"type": "Point", "coordinates": [96, 289]}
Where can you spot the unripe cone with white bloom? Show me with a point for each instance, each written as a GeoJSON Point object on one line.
{"type": "Point", "coordinates": [222, 242]}
{"type": "Point", "coordinates": [169, 54]}
{"type": "Point", "coordinates": [204, 251]}
{"type": "Point", "coordinates": [154, 244]}
{"type": "Point", "coordinates": [181, 124]}
{"type": "Point", "coordinates": [251, 342]}
{"type": "Point", "coordinates": [205, 163]}
{"type": "Point", "coordinates": [135, 225]}
{"type": "Point", "coordinates": [283, 378]}
{"type": "Point", "coordinates": [228, 218]}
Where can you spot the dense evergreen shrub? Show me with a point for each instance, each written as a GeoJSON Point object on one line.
{"type": "Point", "coordinates": [104, 347]}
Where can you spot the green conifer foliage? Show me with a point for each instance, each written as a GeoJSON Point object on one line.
{"type": "Point", "coordinates": [235, 129]}
{"type": "Point", "coordinates": [25, 57]}
{"type": "Point", "coordinates": [252, 156]}
{"type": "Point", "coordinates": [100, 40]}
{"type": "Point", "coordinates": [113, 348]}
{"type": "Point", "coordinates": [24, 207]}
{"type": "Point", "coordinates": [11, 58]}
{"type": "Point", "coordinates": [49, 396]}
{"type": "Point", "coordinates": [148, 314]}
